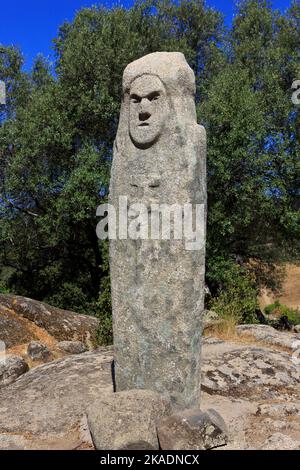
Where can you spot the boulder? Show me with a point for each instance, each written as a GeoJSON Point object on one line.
{"type": "Point", "coordinates": [192, 430]}
{"type": "Point", "coordinates": [11, 368]}
{"type": "Point", "coordinates": [127, 420]}
{"type": "Point", "coordinates": [268, 334]}
{"type": "Point", "coordinates": [36, 351]}
{"type": "Point", "coordinates": [63, 325]}
{"type": "Point", "coordinates": [46, 406]}
{"type": "Point", "coordinates": [234, 370]}
{"type": "Point", "coordinates": [71, 347]}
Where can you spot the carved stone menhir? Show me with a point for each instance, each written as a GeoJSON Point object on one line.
{"type": "Point", "coordinates": [158, 285]}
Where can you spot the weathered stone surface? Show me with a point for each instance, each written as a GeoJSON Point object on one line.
{"type": "Point", "coordinates": [192, 430]}
{"type": "Point", "coordinates": [279, 410]}
{"type": "Point", "coordinates": [13, 330]}
{"type": "Point", "coordinates": [45, 408]}
{"type": "Point", "coordinates": [38, 351]}
{"type": "Point", "coordinates": [268, 334]}
{"type": "Point", "coordinates": [127, 420]}
{"type": "Point", "coordinates": [256, 373]}
{"type": "Point", "coordinates": [253, 404]}
{"type": "Point", "coordinates": [158, 285]}
{"type": "Point", "coordinates": [10, 369]}
{"type": "Point", "coordinates": [63, 325]}
{"type": "Point", "coordinates": [47, 404]}
{"type": "Point", "coordinates": [297, 329]}
{"type": "Point", "coordinates": [280, 441]}
{"type": "Point", "coordinates": [72, 347]}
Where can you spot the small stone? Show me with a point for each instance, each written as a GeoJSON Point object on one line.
{"type": "Point", "coordinates": [297, 329]}
{"type": "Point", "coordinates": [38, 352]}
{"type": "Point", "coordinates": [192, 430]}
{"type": "Point", "coordinates": [11, 368]}
{"type": "Point", "coordinates": [72, 347]}
{"type": "Point", "coordinates": [127, 420]}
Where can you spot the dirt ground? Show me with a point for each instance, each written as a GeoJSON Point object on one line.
{"type": "Point", "coordinates": [290, 295]}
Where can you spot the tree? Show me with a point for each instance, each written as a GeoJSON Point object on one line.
{"type": "Point", "coordinates": [57, 132]}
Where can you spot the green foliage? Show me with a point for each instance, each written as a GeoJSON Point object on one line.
{"type": "Point", "coordinates": [279, 310]}
{"type": "Point", "coordinates": [103, 310]}
{"type": "Point", "coordinates": [3, 288]}
{"type": "Point", "coordinates": [237, 296]}
{"type": "Point", "coordinates": [57, 132]}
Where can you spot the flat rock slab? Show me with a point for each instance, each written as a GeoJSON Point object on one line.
{"type": "Point", "coordinates": [252, 425]}
{"type": "Point", "coordinates": [193, 430]}
{"type": "Point", "coordinates": [234, 370]}
{"type": "Point", "coordinates": [256, 391]}
{"type": "Point", "coordinates": [268, 334]}
{"type": "Point", "coordinates": [63, 325]}
{"type": "Point", "coordinates": [279, 441]}
{"type": "Point", "coordinates": [48, 402]}
{"type": "Point", "coordinates": [127, 420]}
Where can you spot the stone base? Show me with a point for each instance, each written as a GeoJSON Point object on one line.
{"type": "Point", "coordinates": [127, 420]}
{"type": "Point", "coordinates": [192, 430]}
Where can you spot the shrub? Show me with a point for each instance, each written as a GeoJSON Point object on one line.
{"type": "Point", "coordinates": [237, 298]}
{"type": "Point", "coordinates": [105, 331]}
{"type": "Point", "coordinates": [279, 310]}
{"type": "Point", "coordinates": [3, 288]}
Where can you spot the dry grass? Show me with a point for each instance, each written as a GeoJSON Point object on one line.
{"type": "Point", "coordinates": [225, 330]}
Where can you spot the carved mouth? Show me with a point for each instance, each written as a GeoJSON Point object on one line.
{"type": "Point", "coordinates": [144, 124]}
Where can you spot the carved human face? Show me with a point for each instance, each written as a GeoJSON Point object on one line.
{"type": "Point", "coordinates": [148, 110]}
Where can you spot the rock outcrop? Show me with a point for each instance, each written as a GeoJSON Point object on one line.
{"type": "Point", "coordinates": [62, 325]}
{"type": "Point", "coordinates": [256, 389]}
{"type": "Point", "coordinates": [268, 334]}
{"type": "Point", "coordinates": [45, 408]}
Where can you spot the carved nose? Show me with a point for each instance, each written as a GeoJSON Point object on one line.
{"type": "Point", "coordinates": [144, 116]}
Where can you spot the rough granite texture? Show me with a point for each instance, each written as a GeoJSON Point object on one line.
{"type": "Point", "coordinates": [192, 430]}
{"type": "Point", "coordinates": [158, 285]}
{"type": "Point", "coordinates": [127, 420]}
{"type": "Point", "coordinates": [63, 325]}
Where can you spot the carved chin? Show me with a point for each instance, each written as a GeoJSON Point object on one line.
{"type": "Point", "coordinates": [143, 137]}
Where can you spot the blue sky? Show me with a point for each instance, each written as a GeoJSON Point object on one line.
{"type": "Point", "coordinates": [32, 24]}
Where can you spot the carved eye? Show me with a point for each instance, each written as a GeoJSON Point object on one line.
{"type": "Point", "coordinates": [154, 96]}
{"type": "Point", "coordinates": [135, 99]}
